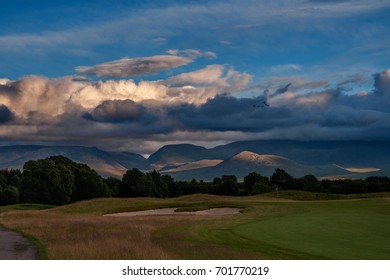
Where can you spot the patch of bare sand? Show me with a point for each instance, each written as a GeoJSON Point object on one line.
{"type": "Point", "coordinates": [223, 211]}
{"type": "Point", "coordinates": [14, 246]}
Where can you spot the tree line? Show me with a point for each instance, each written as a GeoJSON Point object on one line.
{"type": "Point", "coordinates": [58, 180]}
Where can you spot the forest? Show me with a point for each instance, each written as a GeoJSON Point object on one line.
{"type": "Point", "coordinates": [58, 180]}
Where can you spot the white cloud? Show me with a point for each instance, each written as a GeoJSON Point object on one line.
{"type": "Point", "coordinates": [226, 43]}
{"type": "Point", "coordinates": [198, 86]}
{"type": "Point", "coordinates": [285, 68]}
{"type": "Point", "coordinates": [4, 81]}
{"type": "Point", "coordinates": [36, 94]}
{"type": "Point", "coordinates": [192, 53]}
{"type": "Point", "coordinates": [210, 75]}
{"type": "Point", "coordinates": [43, 100]}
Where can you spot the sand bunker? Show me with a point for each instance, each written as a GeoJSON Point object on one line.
{"type": "Point", "coordinates": [172, 211]}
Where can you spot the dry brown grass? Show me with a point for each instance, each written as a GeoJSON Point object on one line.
{"type": "Point", "coordinates": [80, 237]}
{"type": "Point", "coordinates": [79, 231]}
{"type": "Point", "coordinates": [93, 237]}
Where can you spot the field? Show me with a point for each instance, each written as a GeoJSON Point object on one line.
{"type": "Point", "coordinates": [284, 225]}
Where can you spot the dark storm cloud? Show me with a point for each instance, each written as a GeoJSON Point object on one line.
{"type": "Point", "coordinates": [227, 113]}
{"type": "Point", "coordinates": [283, 89]}
{"type": "Point", "coordinates": [330, 114]}
{"type": "Point", "coordinates": [5, 114]}
{"type": "Point", "coordinates": [119, 111]}
{"type": "Point", "coordinates": [128, 118]}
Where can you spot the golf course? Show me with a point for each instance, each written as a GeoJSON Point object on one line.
{"type": "Point", "coordinates": [279, 225]}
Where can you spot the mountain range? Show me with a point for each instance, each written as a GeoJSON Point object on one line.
{"type": "Point", "coordinates": [332, 159]}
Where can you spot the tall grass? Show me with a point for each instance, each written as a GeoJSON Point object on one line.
{"type": "Point", "coordinates": [92, 237]}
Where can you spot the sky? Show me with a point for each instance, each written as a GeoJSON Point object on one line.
{"type": "Point", "coordinates": [137, 75]}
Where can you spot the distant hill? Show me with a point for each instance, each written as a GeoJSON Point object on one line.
{"type": "Point", "coordinates": [343, 153]}
{"type": "Point", "coordinates": [325, 159]}
{"type": "Point", "coordinates": [106, 163]}
{"type": "Point", "coordinates": [245, 162]}
{"type": "Point", "coordinates": [172, 156]}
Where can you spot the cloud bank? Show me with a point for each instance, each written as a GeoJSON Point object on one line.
{"type": "Point", "coordinates": [210, 105]}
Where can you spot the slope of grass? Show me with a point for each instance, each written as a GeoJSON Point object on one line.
{"type": "Point", "coordinates": [347, 230]}
{"type": "Point", "coordinates": [115, 205]}
{"type": "Point", "coordinates": [25, 206]}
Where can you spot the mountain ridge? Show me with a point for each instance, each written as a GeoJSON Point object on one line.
{"type": "Point", "coordinates": [185, 161]}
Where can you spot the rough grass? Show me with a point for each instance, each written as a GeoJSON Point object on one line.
{"type": "Point", "coordinates": [270, 227]}
{"type": "Point", "coordinates": [89, 237]}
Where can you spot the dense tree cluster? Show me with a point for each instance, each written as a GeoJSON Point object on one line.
{"type": "Point", "coordinates": [58, 180]}
{"type": "Point", "coordinates": [136, 183]}
{"type": "Point", "coordinates": [55, 180]}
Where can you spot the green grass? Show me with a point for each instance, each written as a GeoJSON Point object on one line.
{"type": "Point", "coordinates": [341, 230]}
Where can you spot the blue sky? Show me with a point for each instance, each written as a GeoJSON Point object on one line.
{"type": "Point", "coordinates": [149, 72]}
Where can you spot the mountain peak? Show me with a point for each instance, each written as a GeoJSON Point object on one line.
{"type": "Point", "coordinates": [266, 160]}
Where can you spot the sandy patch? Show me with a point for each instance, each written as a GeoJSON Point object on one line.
{"type": "Point", "coordinates": [14, 246]}
{"type": "Point", "coordinates": [225, 211]}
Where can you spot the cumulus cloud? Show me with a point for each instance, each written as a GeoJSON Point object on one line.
{"type": "Point", "coordinates": [40, 100]}
{"type": "Point", "coordinates": [198, 86]}
{"type": "Point", "coordinates": [36, 94]}
{"type": "Point", "coordinates": [191, 107]}
{"type": "Point", "coordinates": [130, 67]}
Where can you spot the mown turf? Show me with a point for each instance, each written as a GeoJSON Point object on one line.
{"type": "Point", "coordinates": [342, 230]}
{"type": "Point", "coordinates": [269, 227]}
